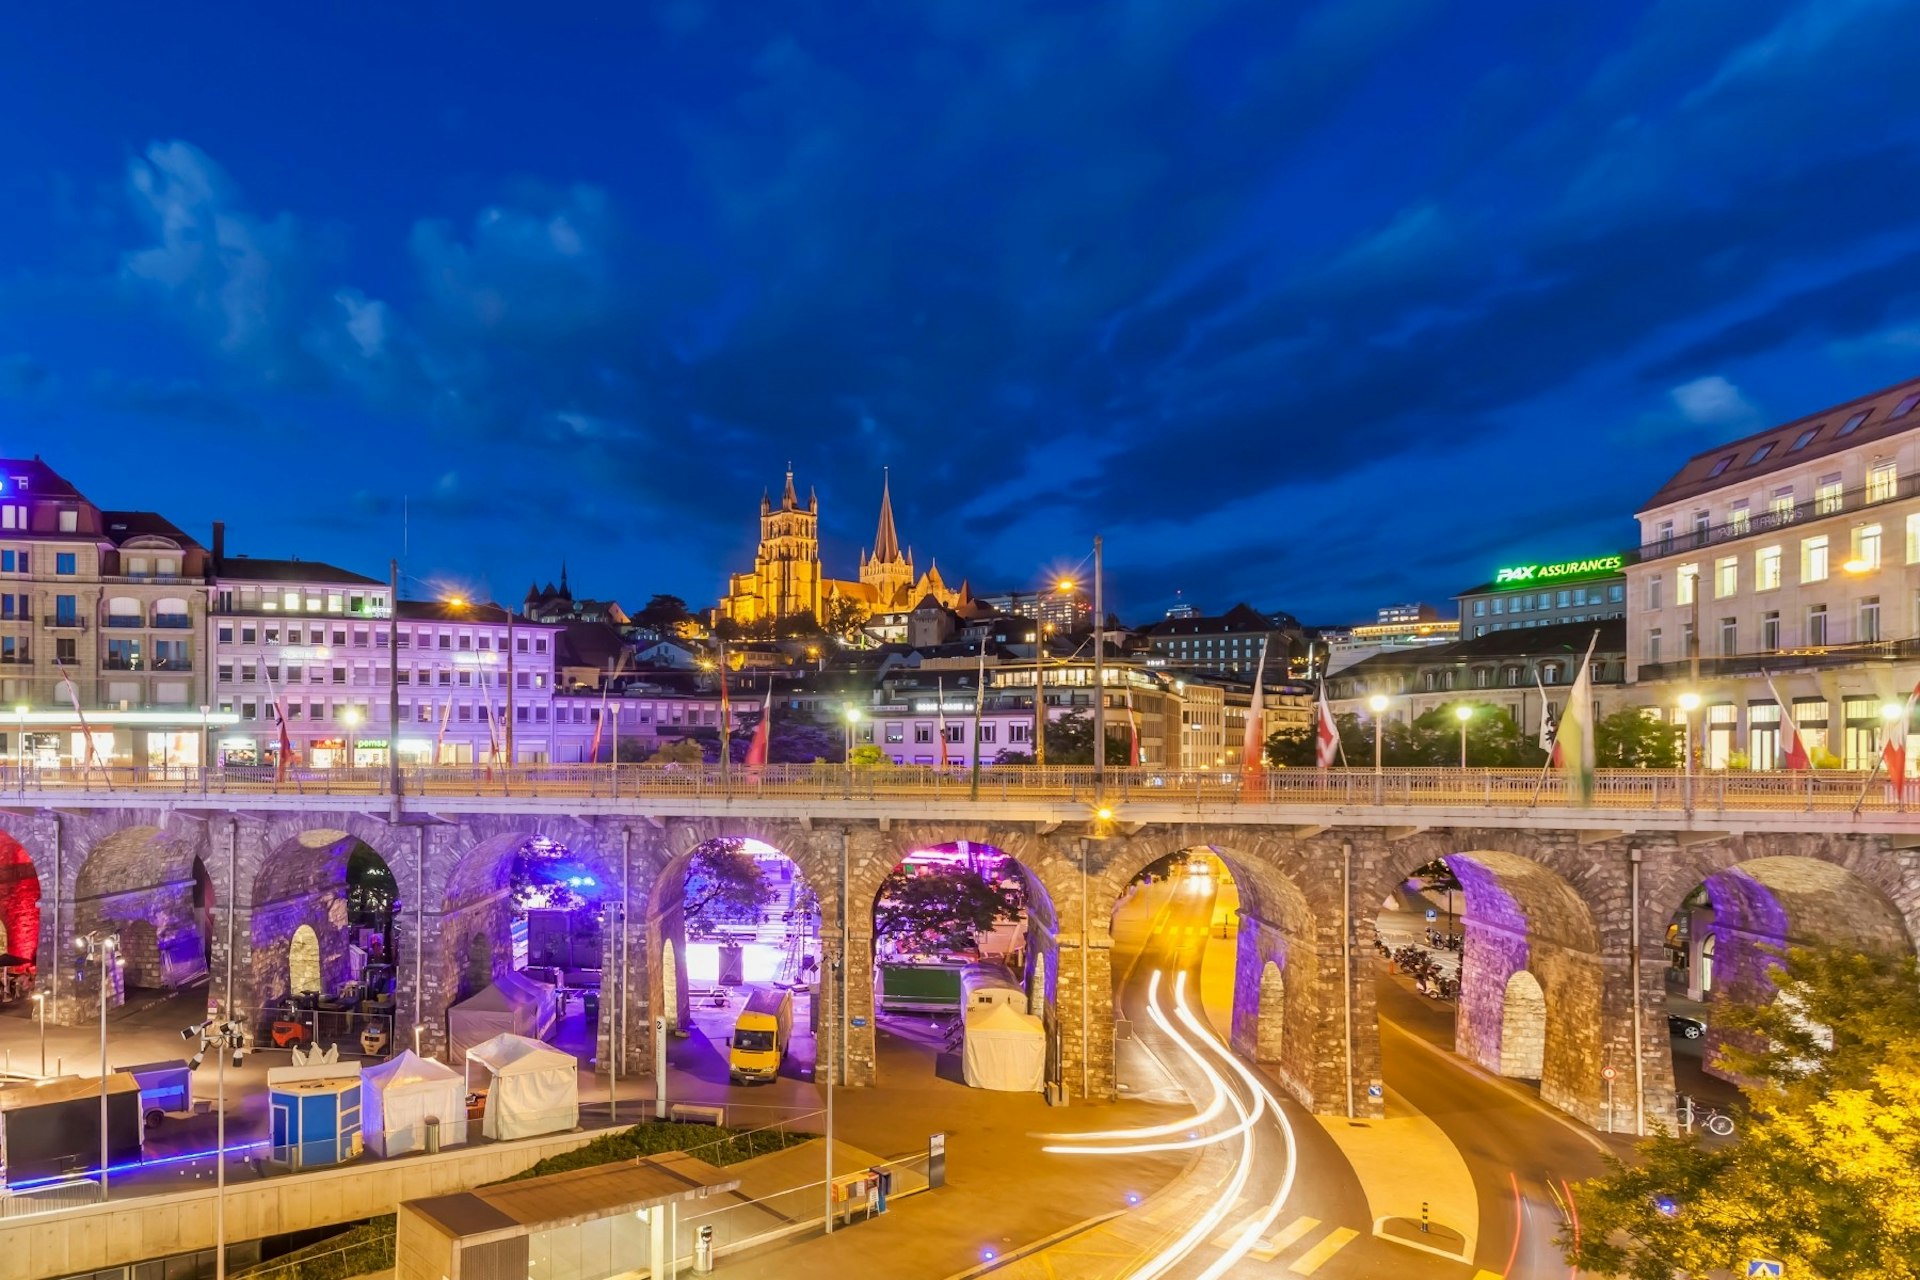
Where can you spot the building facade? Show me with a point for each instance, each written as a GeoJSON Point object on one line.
{"type": "Point", "coordinates": [1230, 643]}
{"type": "Point", "coordinates": [1784, 567]}
{"type": "Point", "coordinates": [1546, 595]}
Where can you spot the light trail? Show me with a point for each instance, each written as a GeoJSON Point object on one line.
{"type": "Point", "coordinates": [1214, 1107]}
{"type": "Point", "coordinates": [1519, 1216]}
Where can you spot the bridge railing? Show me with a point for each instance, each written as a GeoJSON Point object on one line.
{"type": "Point", "coordinates": [1639, 790]}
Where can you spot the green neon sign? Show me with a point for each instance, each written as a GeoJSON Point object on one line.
{"type": "Point", "coordinates": [1520, 574]}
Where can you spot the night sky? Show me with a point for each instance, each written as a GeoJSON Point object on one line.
{"type": "Point", "coordinates": [1314, 306]}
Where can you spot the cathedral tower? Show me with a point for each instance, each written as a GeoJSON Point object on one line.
{"type": "Point", "coordinates": [786, 569]}
{"type": "Point", "coordinates": [889, 570]}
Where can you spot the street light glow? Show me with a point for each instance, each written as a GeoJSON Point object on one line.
{"type": "Point", "coordinates": [1891, 711]}
{"type": "Point", "coordinates": [1378, 702]}
{"type": "Point", "coordinates": [1857, 565]}
{"type": "Point", "coordinates": [1104, 814]}
{"type": "Point", "coordinates": [853, 715]}
{"type": "Point", "coordinates": [1689, 702]}
{"type": "Point", "coordinates": [1065, 585]}
{"type": "Point", "coordinates": [1463, 714]}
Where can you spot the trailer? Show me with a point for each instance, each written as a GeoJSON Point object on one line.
{"type": "Point", "coordinates": [919, 988]}
{"type": "Point", "coordinates": [166, 1089]}
{"type": "Point", "coordinates": [51, 1129]}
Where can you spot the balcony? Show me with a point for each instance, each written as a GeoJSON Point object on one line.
{"type": "Point", "coordinates": [125, 621]}
{"type": "Point", "coordinates": [1759, 523]}
{"type": "Point", "coordinates": [63, 622]}
{"type": "Point", "coordinates": [1779, 660]}
{"type": "Point", "coordinates": [172, 621]}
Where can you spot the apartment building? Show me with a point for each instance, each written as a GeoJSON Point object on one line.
{"type": "Point", "coordinates": [1791, 553]}
{"type": "Point", "coordinates": [111, 600]}
{"type": "Point", "coordinates": [476, 682]}
{"type": "Point", "coordinates": [1546, 594]}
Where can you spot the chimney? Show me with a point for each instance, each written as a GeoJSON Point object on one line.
{"type": "Point", "coordinates": [219, 542]}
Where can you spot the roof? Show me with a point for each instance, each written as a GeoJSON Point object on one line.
{"type": "Point", "coordinates": [1832, 430]}
{"type": "Point", "coordinates": [1515, 642]}
{"type": "Point", "coordinates": [122, 526]}
{"type": "Point", "coordinates": [474, 611]}
{"type": "Point", "coordinates": [252, 569]}
{"type": "Point", "coordinates": [577, 1195]}
{"type": "Point", "coordinates": [42, 480]}
{"type": "Point", "coordinates": [590, 644]}
{"type": "Point", "coordinates": [64, 1089]}
{"type": "Point", "coordinates": [886, 542]}
{"type": "Point", "coordinates": [1240, 618]}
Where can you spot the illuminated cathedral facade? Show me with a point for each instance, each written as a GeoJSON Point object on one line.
{"type": "Point", "coordinates": [786, 579]}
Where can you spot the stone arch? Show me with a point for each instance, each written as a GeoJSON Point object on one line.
{"type": "Point", "coordinates": [1272, 1015]}
{"type": "Point", "coordinates": [139, 880]}
{"type": "Point", "coordinates": [1523, 1027]}
{"type": "Point", "coordinates": [298, 880]}
{"type": "Point", "coordinates": [19, 902]}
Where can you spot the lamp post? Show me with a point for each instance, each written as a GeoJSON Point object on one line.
{"type": "Point", "coordinates": [350, 717]}
{"type": "Point", "coordinates": [1463, 713]}
{"type": "Point", "coordinates": [1378, 705]}
{"type": "Point", "coordinates": [1689, 703]}
{"type": "Point", "coordinates": [40, 1013]}
{"type": "Point", "coordinates": [101, 949]}
{"type": "Point", "coordinates": [853, 721]}
{"type": "Point", "coordinates": [20, 746]}
{"type": "Point", "coordinates": [224, 1038]}
{"type": "Point", "coordinates": [206, 742]}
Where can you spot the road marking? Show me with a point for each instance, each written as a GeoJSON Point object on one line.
{"type": "Point", "coordinates": [1484, 1274]}
{"type": "Point", "coordinates": [1310, 1261]}
{"type": "Point", "coordinates": [1226, 1238]}
{"type": "Point", "coordinates": [1272, 1247]}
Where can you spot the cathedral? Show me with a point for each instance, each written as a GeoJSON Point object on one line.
{"type": "Point", "coordinates": [786, 578]}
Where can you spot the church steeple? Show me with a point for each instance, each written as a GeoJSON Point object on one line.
{"type": "Point", "coordinates": [886, 543]}
{"type": "Point", "coordinates": [563, 580]}
{"type": "Point", "coordinates": [789, 500]}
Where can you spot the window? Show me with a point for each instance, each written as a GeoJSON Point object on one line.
{"type": "Point", "coordinates": [1721, 465]}
{"type": "Point", "coordinates": [1617, 594]}
{"type": "Point", "coordinates": [12, 517]}
{"type": "Point", "coordinates": [66, 611]}
{"type": "Point", "coordinates": [1663, 534]}
{"type": "Point", "coordinates": [1563, 600]}
{"type": "Point", "coordinates": [1852, 424]}
{"type": "Point", "coordinates": [1780, 506]}
{"type": "Point", "coordinates": [1905, 406]}
{"type": "Point", "coordinates": [1804, 439]}
{"type": "Point", "coordinates": [1816, 624]}
{"type": "Point", "coordinates": [1738, 520]}
{"type": "Point", "coordinates": [1499, 605]}
{"type": "Point", "coordinates": [1766, 569]}
{"type": "Point", "coordinates": [1685, 583]}
{"type": "Point", "coordinates": [1813, 559]}
{"type": "Point", "coordinates": [1702, 522]}
{"type": "Point", "coordinates": [896, 732]}
{"type": "Point", "coordinates": [248, 635]}
{"type": "Point", "coordinates": [1729, 637]}
{"type": "Point", "coordinates": [1828, 496]}
{"type": "Point", "coordinates": [1913, 539]}
{"type": "Point", "coordinates": [1866, 549]}
{"type": "Point", "coordinates": [1770, 631]}
{"type": "Point", "coordinates": [956, 733]}
{"type": "Point", "coordinates": [1760, 454]}
{"type": "Point", "coordinates": [1480, 606]}
{"type": "Point", "coordinates": [270, 634]}
{"type": "Point", "coordinates": [65, 563]}
{"type": "Point", "coordinates": [1726, 577]}
{"type": "Point", "coordinates": [69, 521]}
{"type": "Point", "coordinates": [65, 647]}
{"type": "Point", "coordinates": [1654, 593]}
{"type": "Point", "coordinates": [1867, 623]}
{"type": "Point", "coordinates": [1883, 481]}
{"type": "Point", "coordinates": [987, 731]}
{"type": "Point", "coordinates": [1653, 645]}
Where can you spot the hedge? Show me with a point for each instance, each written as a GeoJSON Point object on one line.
{"type": "Point", "coordinates": [369, 1246]}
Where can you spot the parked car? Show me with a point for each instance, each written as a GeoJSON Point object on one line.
{"type": "Point", "coordinates": [1680, 1024]}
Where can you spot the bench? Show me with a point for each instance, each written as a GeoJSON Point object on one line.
{"type": "Point", "coordinates": [695, 1113]}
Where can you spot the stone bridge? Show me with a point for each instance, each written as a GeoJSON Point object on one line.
{"type": "Point", "coordinates": [1566, 908]}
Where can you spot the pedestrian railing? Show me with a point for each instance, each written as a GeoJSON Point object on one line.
{"type": "Point", "coordinates": [1658, 790]}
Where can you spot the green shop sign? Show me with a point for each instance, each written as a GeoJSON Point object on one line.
{"type": "Point", "coordinates": [1518, 574]}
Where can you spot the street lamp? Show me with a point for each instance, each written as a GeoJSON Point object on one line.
{"type": "Point", "coordinates": [853, 719]}
{"type": "Point", "coordinates": [1463, 714]}
{"type": "Point", "coordinates": [1378, 705]}
{"type": "Point", "coordinates": [102, 949]}
{"type": "Point", "coordinates": [1689, 703]}
{"type": "Point", "coordinates": [350, 717]}
{"type": "Point", "coordinates": [224, 1038]}
{"type": "Point", "coordinates": [20, 745]}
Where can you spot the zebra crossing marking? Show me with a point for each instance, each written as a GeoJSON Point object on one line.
{"type": "Point", "coordinates": [1313, 1259]}
{"type": "Point", "coordinates": [1274, 1245]}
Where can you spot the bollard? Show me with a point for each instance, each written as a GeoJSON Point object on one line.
{"type": "Point", "coordinates": [432, 1126]}
{"type": "Point", "coordinates": [703, 1251]}
{"type": "Point", "coordinates": [1425, 1225]}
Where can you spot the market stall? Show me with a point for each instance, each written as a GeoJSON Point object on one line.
{"type": "Point", "coordinates": [400, 1096]}
{"type": "Point", "coordinates": [533, 1088]}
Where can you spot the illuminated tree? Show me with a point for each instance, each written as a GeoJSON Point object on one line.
{"type": "Point", "coordinates": [725, 882]}
{"type": "Point", "coordinates": [938, 911]}
{"type": "Point", "coordinates": [1823, 1175]}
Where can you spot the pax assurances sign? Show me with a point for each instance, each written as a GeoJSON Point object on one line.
{"type": "Point", "coordinates": [1524, 574]}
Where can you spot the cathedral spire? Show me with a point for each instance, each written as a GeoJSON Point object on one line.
{"type": "Point", "coordinates": [886, 543]}
{"type": "Point", "coordinates": [788, 500]}
{"type": "Point", "coordinates": [563, 579]}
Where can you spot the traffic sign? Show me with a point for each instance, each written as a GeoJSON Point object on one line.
{"type": "Point", "coordinates": [1765, 1267]}
{"type": "Point", "coordinates": [1374, 1091]}
{"type": "Point", "coordinates": [1607, 1073]}
{"type": "Point", "coordinates": [1432, 915]}
{"type": "Point", "coordinates": [857, 1020]}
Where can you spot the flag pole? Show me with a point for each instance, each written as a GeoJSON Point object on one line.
{"type": "Point", "coordinates": [979, 701]}
{"type": "Point", "coordinates": [1545, 769]}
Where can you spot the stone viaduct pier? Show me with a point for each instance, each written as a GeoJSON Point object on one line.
{"type": "Point", "coordinates": [1566, 907]}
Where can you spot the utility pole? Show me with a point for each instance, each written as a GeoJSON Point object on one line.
{"type": "Point", "coordinates": [393, 683]}
{"type": "Point", "coordinates": [1099, 683]}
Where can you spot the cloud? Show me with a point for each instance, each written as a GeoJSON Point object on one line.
{"type": "Point", "coordinates": [25, 377]}
{"type": "Point", "coordinates": [1713, 401]}
{"type": "Point", "coordinates": [184, 398]}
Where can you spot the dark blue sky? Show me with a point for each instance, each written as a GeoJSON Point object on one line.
{"type": "Point", "coordinates": [1316, 306]}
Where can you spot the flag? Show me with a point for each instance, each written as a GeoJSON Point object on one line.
{"type": "Point", "coordinates": [1253, 743]}
{"type": "Point", "coordinates": [757, 746]}
{"type": "Point", "coordinates": [1894, 750]}
{"type": "Point", "coordinates": [280, 723]}
{"type": "Point", "coordinates": [1326, 734]}
{"type": "Point", "coordinates": [1793, 751]}
{"type": "Point", "coordinates": [606, 691]}
{"type": "Point", "coordinates": [493, 733]}
{"type": "Point", "coordinates": [1547, 726]}
{"type": "Point", "coordinates": [979, 705]}
{"type": "Point", "coordinates": [73, 696]}
{"type": "Point", "coordinates": [726, 711]}
{"type": "Point", "coordinates": [1133, 734]}
{"type": "Point", "coordinates": [940, 692]}
{"type": "Point", "coordinates": [1573, 736]}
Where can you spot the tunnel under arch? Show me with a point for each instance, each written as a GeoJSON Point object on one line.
{"type": "Point", "coordinates": [308, 881]}
{"type": "Point", "coordinates": [19, 904]}
{"type": "Point", "coordinates": [1270, 1035]}
{"type": "Point", "coordinates": [147, 883]}
{"type": "Point", "coordinates": [1523, 1027]}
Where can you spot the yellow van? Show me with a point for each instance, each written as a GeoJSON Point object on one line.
{"type": "Point", "coordinates": [758, 1044]}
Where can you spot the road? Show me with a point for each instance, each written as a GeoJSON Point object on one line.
{"type": "Point", "coordinates": [1521, 1156]}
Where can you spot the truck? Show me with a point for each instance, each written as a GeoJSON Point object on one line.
{"type": "Point", "coordinates": [760, 1036]}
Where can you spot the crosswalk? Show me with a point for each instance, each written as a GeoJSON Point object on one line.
{"type": "Point", "coordinates": [1297, 1232]}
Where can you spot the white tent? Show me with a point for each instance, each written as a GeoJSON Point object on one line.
{"type": "Point", "coordinates": [990, 983]}
{"type": "Point", "coordinates": [1005, 1049]}
{"type": "Point", "coordinates": [397, 1097]}
{"type": "Point", "coordinates": [546, 1005]}
{"type": "Point", "coordinates": [536, 1089]}
{"type": "Point", "coordinates": [512, 1005]}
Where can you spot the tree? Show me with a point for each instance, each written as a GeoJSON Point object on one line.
{"type": "Point", "coordinates": [791, 740]}
{"type": "Point", "coordinates": [868, 756]}
{"type": "Point", "coordinates": [1070, 741]}
{"type": "Point", "coordinates": [1494, 740]}
{"type": "Point", "coordinates": [843, 617]}
{"type": "Point", "coordinates": [1825, 1173]}
{"type": "Point", "coordinates": [667, 615]}
{"type": "Point", "coordinates": [1631, 739]}
{"type": "Point", "coordinates": [938, 911]}
{"type": "Point", "coordinates": [679, 751]}
{"type": "Point", "coordinates": [724, 882]}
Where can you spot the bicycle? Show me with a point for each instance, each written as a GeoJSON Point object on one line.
{"type": "Point", "coordinates": [1713, 1120]}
